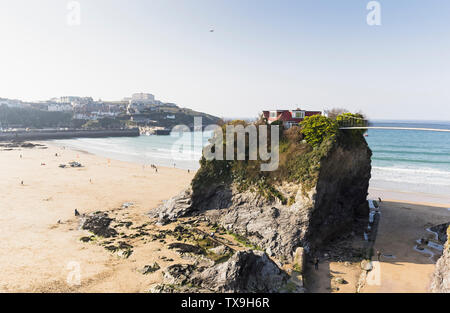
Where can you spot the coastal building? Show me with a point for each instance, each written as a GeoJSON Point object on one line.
{"type": "Point", "coordinates": [12, 103]}
{"type": "Point", "coordinates": [145, 102]}
{"type": "Point", "coordinates": [140, 120]}
{"type": "Point", "coordinates": [72, 100]}
{"type": "Point", "coordinates": [85, 116]}
{"type": "Point", "coordinates": [289, 118]}
{"type": "Point", "coordinates": [142, 99]}
{"type": "Point", "coordinates": [59, 107]}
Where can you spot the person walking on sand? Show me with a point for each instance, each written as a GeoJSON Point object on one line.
{"type": "Point", "coordinates": [316, 263]}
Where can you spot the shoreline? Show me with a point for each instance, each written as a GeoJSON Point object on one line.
{"type": "Point", "coordinates": [422, 198]}
{"type": "Point", "coordinates": [55, 134]}
{"type": "Point", "coordinates": [425, 199]}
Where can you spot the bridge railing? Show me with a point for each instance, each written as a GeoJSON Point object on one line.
{"type": "Point", "coordinates": [353, 122]}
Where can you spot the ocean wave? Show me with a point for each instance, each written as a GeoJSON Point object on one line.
{"type": "Point", "coordinates": [393, 159]}
{"type": "Point", "coordinates": [417, 176]}
{"type": "Point", "coordinates": [424, 170]}
{"type": "Point", "coordinates": [411, 152]}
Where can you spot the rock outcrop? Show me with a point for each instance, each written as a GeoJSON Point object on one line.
{"type": "Point", "coordinates": [246, 271]}
{"type": "Point", "coordinates": [328, 209]}
{"type": "Point", "coordinates": [178, 206]}
{"type": "Point", "coordinates": [98, 224]}
{"type": "Point", "coordinates": [441, 231]}
{"type": "Point", "coordinates": [441, 278]}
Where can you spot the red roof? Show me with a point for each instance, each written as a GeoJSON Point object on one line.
{"type": "Point", "coordinates": [286, 115]}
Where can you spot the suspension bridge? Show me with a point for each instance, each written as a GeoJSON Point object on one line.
{"type": "Point", "coordinates": [358, 123]}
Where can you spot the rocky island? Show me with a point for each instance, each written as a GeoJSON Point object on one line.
{"type": "Point", "coordinates": [316, 195]}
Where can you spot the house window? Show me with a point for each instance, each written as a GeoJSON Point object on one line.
{"type": "Point", "coordinates": [299, 114]}
{"type": "Point", "coordinates": [273, 114]}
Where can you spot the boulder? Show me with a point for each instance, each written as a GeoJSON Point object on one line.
{"type": "Point", "coordinates": [150, 268]}
{"type": "Point", "coordinates": [98, 224]}
{"type": "Point", "coordinates": [186, 248]}
{"type": "Point", "coordinates": [174, 208]}
{"type": "Point", "coordinates": [441, 231]}
{"type": "Point", "coordinates": [340, 280]}
{"type": "Point", "coordinates": [178, 274]}
{"type": "Point", "coordinates": [246, 271]}
{"type": "Point", "coordinates": [366, 265]}
{"type": "Point", "coordinates": [221, 250]}
{"type": "Point", "coordinates": [299, 259]}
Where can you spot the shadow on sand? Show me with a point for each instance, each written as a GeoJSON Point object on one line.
{"type": "Point", "coordinates": [405, 264]}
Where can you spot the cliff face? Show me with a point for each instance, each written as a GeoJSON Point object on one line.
{"type": "Point", "coordinates": [310, 217]}
{"type": "Point", "coordinates": [441, 277]}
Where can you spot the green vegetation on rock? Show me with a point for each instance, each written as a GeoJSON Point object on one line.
{"type": "Point", "coordinates": [318, 128]}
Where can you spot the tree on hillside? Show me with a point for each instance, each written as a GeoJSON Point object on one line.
{"type": "Point", "coordinates": [335, 112]}
{"type": "Point", "coordinates": [317, 128]}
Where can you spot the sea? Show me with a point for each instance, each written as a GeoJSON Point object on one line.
{"type": "Point", "coordinates": [411, 162]}
{"type": "Point", "coordinates": [404, 161]}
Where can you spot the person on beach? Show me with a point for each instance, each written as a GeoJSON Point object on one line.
{"type": "Point", "coordinates": [316, 263]}
{"type": "Point", "coordinates": [378, 255]}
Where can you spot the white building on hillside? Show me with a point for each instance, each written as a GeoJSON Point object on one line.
{"type": "Point", "coordinates": [142, 98]}
{"type": "Point", "coordinates": [12, 103]}
{"type": "Point", "coordinates": [60, 107]}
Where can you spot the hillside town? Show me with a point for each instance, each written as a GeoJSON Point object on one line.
{"type": "Point", "coordinates": [87, 108]}
{"type": "Point", "coordinates": [140, 110]}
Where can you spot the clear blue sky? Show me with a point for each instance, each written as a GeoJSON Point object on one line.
{"type": "Point", "coordinates": [262, 55]}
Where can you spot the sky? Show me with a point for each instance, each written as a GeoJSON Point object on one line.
{"type": "Point", "coordinates": [278, 54]}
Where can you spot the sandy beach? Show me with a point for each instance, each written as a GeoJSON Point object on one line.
{"type": "Point", "coordinates": [41, 236]}
{"type": "Point", "coordinates": [401, 268]}
{"type": "Point", "coordinates": [39, 253]}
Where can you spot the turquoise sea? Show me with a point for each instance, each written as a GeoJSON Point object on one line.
{"type": "Point", "coordinates": [182, 150]}
{"type": "Point", "coordinates": [411, 160]}
{"type": "Point", "coordinates": [403, 160]}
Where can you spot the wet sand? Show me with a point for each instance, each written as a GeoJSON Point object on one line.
{"type": "Point", "coordinates": [403, 269]}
